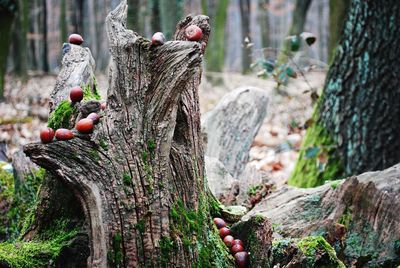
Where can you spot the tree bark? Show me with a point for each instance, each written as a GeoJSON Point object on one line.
{"type": "Point", "coordinates": [6, 19]}
{"type": "Point", "coordinates": [356, 123]}
{"type": "Point", "coordinates": [140, 175]}
{"type": "Point", "coordinates": [246, 36]}
{"type": "Point", "coordinates": [297, 27]}
{"type": "Point", "coordinates": [337, 15]}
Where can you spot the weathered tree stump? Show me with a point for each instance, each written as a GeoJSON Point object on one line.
{"type": "Point", "coordinates": [139, 177]}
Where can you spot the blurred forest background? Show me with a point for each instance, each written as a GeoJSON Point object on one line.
{"type": "Point", "coordinates": [40, 27]}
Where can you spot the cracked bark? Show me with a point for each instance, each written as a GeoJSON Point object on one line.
{"type": "Point", "coordinates": [144, 156]}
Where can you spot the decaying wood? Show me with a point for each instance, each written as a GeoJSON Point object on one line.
{"type": "Point", "coordinates": [77, 70]}
{"type": "Point", "coordinates": [358, 215]}
{"type": "Point", "coordinates": [145, 155]}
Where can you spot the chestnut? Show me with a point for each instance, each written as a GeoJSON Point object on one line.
{"type": "Point", "coordinates": [228, 240]}
{"type": "Point", "coordinates": [219, 223]}
{"type": "Point", "coordinates": [237, 242]}
{"type": "Point", "coordinates": [46, 135]}
{"type": "Point", "coordinates": [63, 134]}
{"type": "Point", "coordinates": [236, 248]}
{"type": "Point", "coordinates": [193, 33]}
{"type": "Point", "coordinates": [158, 39]}
{"type": "Point", "coordinates": [76, 94]}
{"type": "Point", "coordinates": [242, 259]}
{"type": "Point", "coordinates": [94, 117]}
{"type": "Point", "coordinates": [224, 231]}
{"type": "Point", "coordinates": [84, 125]}
{"type": "Point", "coordinates": [75, 39]}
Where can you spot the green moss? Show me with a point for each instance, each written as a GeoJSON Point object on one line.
{"type": "Point", "coordinates": [126, 178]}
{"type": "Point", "coordinates": [41, 251]}
{"type": "Point", "coordinates": [94, 154]}
{"type": "Point", "coordinates": [311, 247]}
{"type": "Point", "coordinates": [21, 198]}
{"type": "Point", "coordinates": [167, 245]}
{"type": "Point", "coordinates": [61, 116]}
{"type": "Point", "coordinates": [115, 255]}
{"type": "Point", "coordinates": [140, 226]}
{"type": "Point", "coordinates": [104, 144]}
{"type": "Point", "coordinates": [317, 162]}
{"type": "Point", "coordinates": [88, 93]}
{"type": "Point", "coordinates": [151, 145]}
{"type": "Point", "coordinates": [346, 218]}
{"type": "Point", "coordinates": [194, 229]}
{"type": "Point", "coordinates": [335, 184]}
{"type": "Point", "coordinates": [312, 244]}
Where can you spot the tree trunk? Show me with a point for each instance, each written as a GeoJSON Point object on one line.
{"type": "Point", "coordinates": [246, 37]}
{"type": "Point", "coordinates": [140, 176]}
{"type": "Point", "coordinates": [356, 126]}
{"type": "Point", "coordinates": [337, 15]}
{"type": "Point", "coordinates": [155, 16]}
{"type": "Point", "coordinates": [45, 47]}
{"type": "Point", "coordinates": [297, 27]}
{"type": "Point", "coordinates": [171, 12]}
{"type": "Point", "coordinates": [263, 20]}
{"type": "Point", "coordinates": [20, 48]}
{"type": "Point", "coordinates": [135, 16]}
{"type": "Point", "coordinates": [63, 22]}
{"type": "Point", "coordinates": [6, 19]}
{"type": "Point", "coordinates": [215, 54]}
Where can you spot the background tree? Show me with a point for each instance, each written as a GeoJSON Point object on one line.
{"type": "Point", "coordinates": [171, 12]}
{"type": "Point", "coordinates": [297, 26]}
{"type": "Point", "coordinates": [263, 20]}
{"type": "Point", "coordinates": [19, 48]}
{"type": "Point", "coordinates": [245, 8]}
{"type": "Point", "coordinates": [7, 12]}
{"type": "Point", "coordinates": [215, 54]}
{"type": "Point", "coordinates": [356, 123]}
{"type": "Point", "coordinates": [337, 16]}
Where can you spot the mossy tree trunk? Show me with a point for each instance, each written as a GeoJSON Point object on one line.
{"type": "Point", "coordinates": [215, 54]}
{"type": "Point", "coordinates": [140, 176]}
{"type": "Point", "coordinates": [337, 15]}
{"type": "Point", "coordinates": [6, 19]}
{"type": "Point", "coordinates": [297, 26]}
{"type": "Point", "coordinates": [356, 123]}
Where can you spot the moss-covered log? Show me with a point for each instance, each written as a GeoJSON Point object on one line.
{"type": "Point", "coordinates": [137, 183]}
{"type": "Point", "coordinates": [355, 123]}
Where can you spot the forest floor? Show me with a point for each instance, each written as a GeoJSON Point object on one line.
{"type": "Point", "coordinates": [274, 150]}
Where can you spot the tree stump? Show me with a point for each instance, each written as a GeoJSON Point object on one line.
{"type": "Point", "coordinates": [139, 177]}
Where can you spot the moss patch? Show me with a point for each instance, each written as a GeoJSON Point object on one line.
{"type": "Point", "coordinates": [115, 255]}
{"type": "Point", "coordinates": [61, 116]}
{"type": "Point", "coordinates": [312, 245]}
{"type": "Point", "coordinates": [196, 230]}
{"type": "Point", "coordinates": [21, 199]}
{"type": "Point", "coordinates": [37, 252]}
{"type": "Point", "coordinates": [90, 93]}
{"type": "Point", "coordinates": [311, 251]}
{"type": "Point", "coordinates": [317, 162]}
